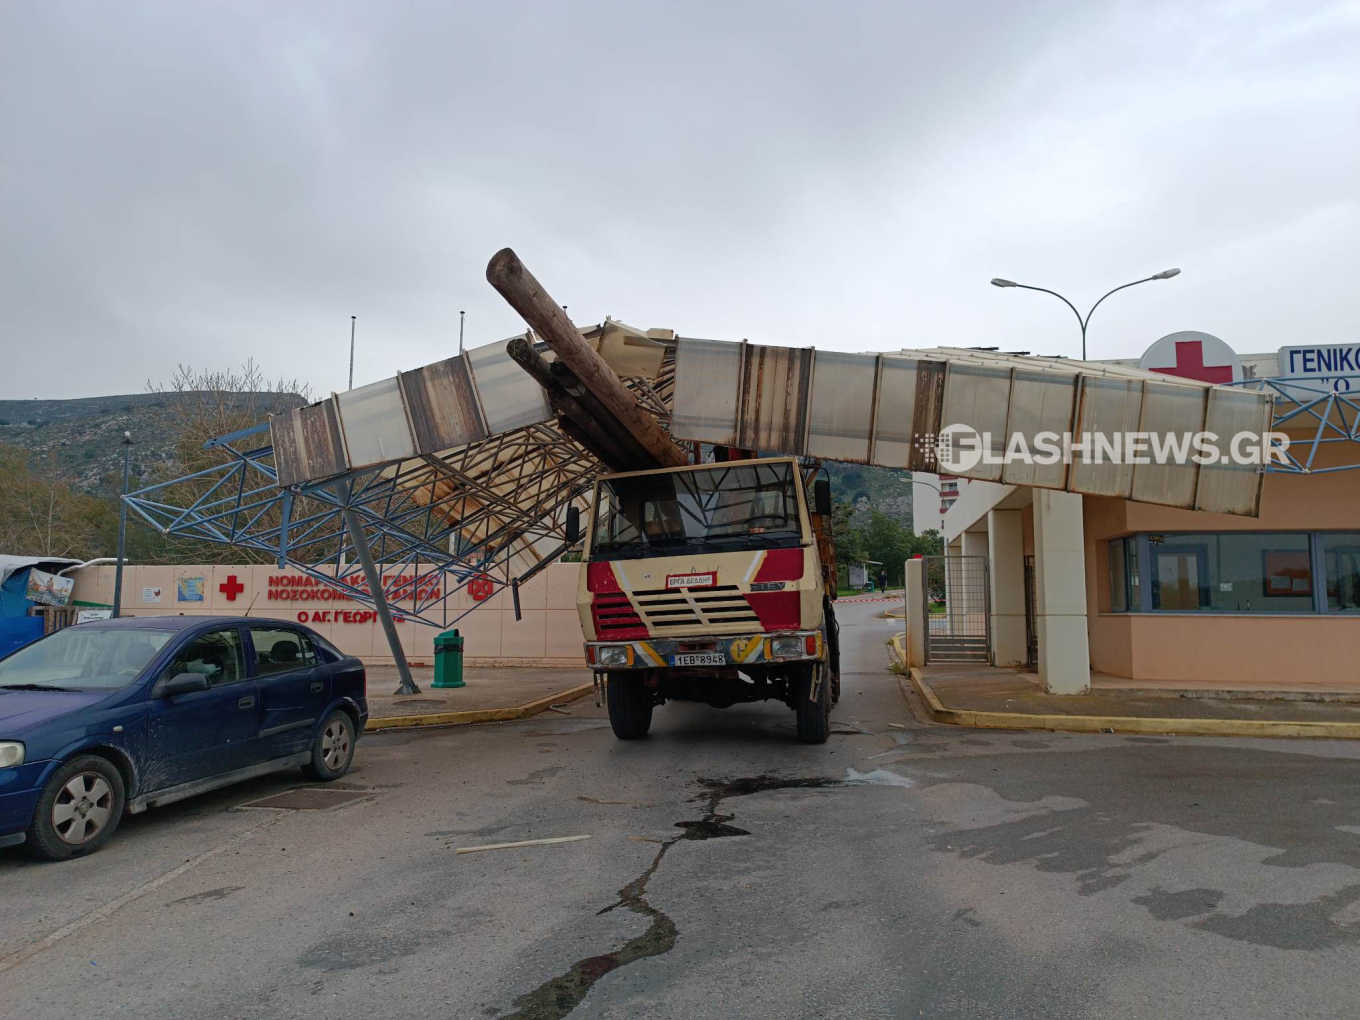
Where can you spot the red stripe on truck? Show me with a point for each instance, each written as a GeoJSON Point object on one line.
{"type": "Point", "coordinates": [781, 565]}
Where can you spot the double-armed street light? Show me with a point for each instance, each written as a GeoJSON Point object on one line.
{"type": "Point", "coordinates": [1165, 274]}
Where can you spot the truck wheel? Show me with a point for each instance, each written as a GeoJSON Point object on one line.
{"type": "Point", "coordinates": [630, 706]}
{"type": "Point", "coordinates": [814, 717]}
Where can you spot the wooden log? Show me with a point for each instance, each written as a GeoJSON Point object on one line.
{"type": "Point", "coordinates": [545, 316]}
{"type": "Point", "coordinates": [608, 457]}
{"type": "Point", "coordinates": [603, 437]}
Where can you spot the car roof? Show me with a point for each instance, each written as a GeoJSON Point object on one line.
{"type": "Point", "coordinates": [179, 623]}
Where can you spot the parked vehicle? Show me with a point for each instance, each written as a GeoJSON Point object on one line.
{"type": "Point", "coordinates": [712, 583]}
{"type": "Point", "coordinates": [123, 715]}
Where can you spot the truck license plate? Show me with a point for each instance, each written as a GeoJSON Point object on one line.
{"type": "Point", "coordinates": [698, 659]}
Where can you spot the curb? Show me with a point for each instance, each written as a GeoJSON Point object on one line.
{"type": "Point", "coordinates": [1124, 723]}
{"type": "Point", "coordinates": [482, 715]}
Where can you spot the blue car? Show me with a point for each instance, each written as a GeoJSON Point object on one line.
{"type": "Point", "coordinates": [129, 714]}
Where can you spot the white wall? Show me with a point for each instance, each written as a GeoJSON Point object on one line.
{"type": "Point", "coordinates": [548, 633]}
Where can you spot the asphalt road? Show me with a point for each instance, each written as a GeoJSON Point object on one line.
{"type": "Point", "coordinates": [731, 872]}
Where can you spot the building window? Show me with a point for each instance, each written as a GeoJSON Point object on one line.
{"type": "Point", "coordinates": [1232, 572]}
{"type": "Point", "coordinates": [1236, 572]}
{"type": "Point", "coordinates": [1341, 567]}
{"type": "Point", "coordinates": [1125, 592]}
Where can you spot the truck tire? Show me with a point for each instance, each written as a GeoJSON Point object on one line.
{"type": "Point", "coordinates": [814, 717]}
{"type": "Point", "coordinates": [630, 706]}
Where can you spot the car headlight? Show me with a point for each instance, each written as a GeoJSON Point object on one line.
{"type": "Point", "coordinates": [614, 655]}
{"type": "Point", "coordinates": [11, 753]}
{"type": "Point", "coordinates": [786, 647]}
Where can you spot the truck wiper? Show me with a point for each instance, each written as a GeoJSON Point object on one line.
{"type": "Point", "coordinates": [758, 538]}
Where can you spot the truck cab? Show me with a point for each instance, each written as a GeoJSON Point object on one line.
{"type": "Point", "coordinates": [709, 582]}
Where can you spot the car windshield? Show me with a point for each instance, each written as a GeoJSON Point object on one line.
{"type": "Point", "coordinates": [711, 509]}
{"type": "Point", "coordinates": [84, 657]}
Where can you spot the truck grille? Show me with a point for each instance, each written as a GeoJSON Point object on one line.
{"type": "Point", "coordinates": [615, 616]}
{"type": "Point", "coordinates": [668, 609]}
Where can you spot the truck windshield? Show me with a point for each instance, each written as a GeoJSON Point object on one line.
{"type": "Point", "coordinates": [715, 508]}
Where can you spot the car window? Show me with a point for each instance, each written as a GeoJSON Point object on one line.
{"type": "Point", "coordinates": [88, 657]}
{"type": "Point", "coordinates": [217, 655]}
{"type": "Point", "coordinates": [278, 651]}
{"type": "Point", "coordinates": [327, 652]}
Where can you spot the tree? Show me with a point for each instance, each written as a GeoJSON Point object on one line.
{"type": "Point", "coordinates": [41, 515]}
{"type": "Point", "coordinates": [203, 405]}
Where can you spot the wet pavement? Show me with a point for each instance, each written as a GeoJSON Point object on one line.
{"type": "Point", "coordinates": [900, 870]}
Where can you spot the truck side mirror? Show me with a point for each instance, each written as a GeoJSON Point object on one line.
{"type": "Point", "coordinates": [821, 496]}
{"type": "Point", "coordinates": [573, 525]}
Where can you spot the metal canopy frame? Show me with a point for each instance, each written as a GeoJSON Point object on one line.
{"type": "Point", "coordinates": [494, 509]}
{"type": "Point", "coordinates": [1302, 400]}
{"type": "Point", "coordinates": [417, 516]}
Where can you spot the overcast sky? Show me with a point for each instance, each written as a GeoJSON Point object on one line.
{"type": "Point", "coordinates": [204, 183]}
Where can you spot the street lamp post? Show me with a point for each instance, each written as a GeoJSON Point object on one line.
{"type": "Point", "coordinates": [122, 528]}
{"type": "Point", "coordinates": [1165, 274]}
{"type": "Point", "coordinates": [351, 351]}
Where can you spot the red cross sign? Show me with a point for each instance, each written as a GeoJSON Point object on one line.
{"type": "Point", "coordinates": [231, 587]}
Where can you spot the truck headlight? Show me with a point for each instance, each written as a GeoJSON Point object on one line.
{"type": "Point", "coordinates": [613, 655]}
{"type": "Point", "coordinates": [11, 753]}
{"type": "Point", "coordinates": [786, 647]}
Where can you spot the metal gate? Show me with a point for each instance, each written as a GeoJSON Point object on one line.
{"type": "Point", "coordinates": [1031, 630]}
{"type": "Point", "coordinates": [958, 609]}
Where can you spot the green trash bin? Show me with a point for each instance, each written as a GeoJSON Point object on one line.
{"type": "Point", "coordinates": [448, 659]}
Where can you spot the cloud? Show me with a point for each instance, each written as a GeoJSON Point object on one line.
{"type": "Point", "coordinates": [210, 183]}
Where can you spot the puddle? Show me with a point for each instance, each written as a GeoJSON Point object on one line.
{"type": "Point", "coordinates": [558, 996]}
{"type": "Point", "coordinates": [710, 828]}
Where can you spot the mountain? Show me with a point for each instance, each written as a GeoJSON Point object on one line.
{"type": "Point", "coordinates": [80, 440]}
{"type": "Point", "coordinates": [887, 490]}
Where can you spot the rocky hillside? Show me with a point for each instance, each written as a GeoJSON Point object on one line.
{"type": "Point", "coordinates": [873, 488]}
{"type": "Point", "coordinates": [80, 440]}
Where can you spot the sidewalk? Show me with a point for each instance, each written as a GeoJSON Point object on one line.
{"type": "Point", "coordinates": [987, 697]}
{"type": "Point", "coordinates": [492, 694]}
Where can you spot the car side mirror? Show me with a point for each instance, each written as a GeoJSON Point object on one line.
{"type": "Point", "coordinates": [573, 525]}
{"type": "Point", "coordinates": [184, 683]}
{"type": "Point", "coordinates": [821, 496]}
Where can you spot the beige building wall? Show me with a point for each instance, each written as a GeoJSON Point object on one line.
{"type": "Point", "coordinates": [1287, 648]}
{"type": "Point", "coordinates": [548, 633]}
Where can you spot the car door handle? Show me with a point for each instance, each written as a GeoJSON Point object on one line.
{"type": "Point", "coordinates": [317, 686]}
{"type": "Point", "coordinates": [246, 703]}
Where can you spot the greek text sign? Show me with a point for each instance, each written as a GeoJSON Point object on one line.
{"type": "Point", "coordinates": [1329, 363]}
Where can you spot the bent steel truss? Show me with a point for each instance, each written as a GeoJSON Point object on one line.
{"type": "Point", "coordinates": [435, 513]}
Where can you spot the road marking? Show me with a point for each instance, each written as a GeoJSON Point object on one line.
{"type": "Point", "coordinates": [523, 842]}
{"type": "Point", "coordinates": [81, 923]}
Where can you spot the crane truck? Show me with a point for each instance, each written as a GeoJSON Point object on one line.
{"type": "Point", "coordinates": [711, 583]}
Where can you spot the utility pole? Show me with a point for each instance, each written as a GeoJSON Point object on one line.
{"type": "Point", "coordinates": [122, 528]}
{"type": "Point", "coordinates": [351, 351]}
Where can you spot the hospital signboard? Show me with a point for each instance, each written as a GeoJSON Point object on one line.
{"type": "Point", "coordinates": [1329, 364]}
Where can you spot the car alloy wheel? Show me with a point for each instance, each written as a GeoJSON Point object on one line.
{"type": "Point", "coordinates": [335, 741]}
{"type": "Point", "coordinates": [82, 808]}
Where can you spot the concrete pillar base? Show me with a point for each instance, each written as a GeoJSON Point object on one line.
{"type": "Point", "coordinates": [1060, 592]}
{"type": "Point", "coordinates": [1006, 571]}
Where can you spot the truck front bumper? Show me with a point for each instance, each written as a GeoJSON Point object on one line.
{"type": "Point", "coordinates": [732, 651]}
